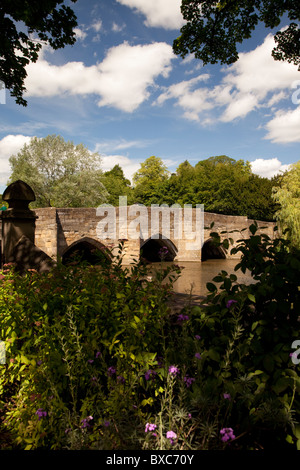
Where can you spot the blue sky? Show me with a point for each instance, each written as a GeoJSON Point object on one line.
{"type": "Point", "coordinates": [122, 92]}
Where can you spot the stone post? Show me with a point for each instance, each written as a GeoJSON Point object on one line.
{"type": "Point", "coordinates": [18, 220]}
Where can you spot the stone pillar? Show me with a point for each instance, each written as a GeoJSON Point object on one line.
{"type": "Point", "coordinates": [18, 220]}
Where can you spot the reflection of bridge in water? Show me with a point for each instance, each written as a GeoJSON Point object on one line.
{"type": "Point", "coordinates": [65, 231]}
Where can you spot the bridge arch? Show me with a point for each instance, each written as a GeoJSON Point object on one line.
{"type": "Point", "coordinates": [211, 251]}
{"type": "Point", "coordinates": [88, 250]}
{"type": "Point", "coordinates": [152, 249]}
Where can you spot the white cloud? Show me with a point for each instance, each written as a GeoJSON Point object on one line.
{"type": "Point", "coordinates": [128, 165]}
{"type": "Point", "coordinates": [96, 26]}
{"type": "Point", "coordinates": [284, 127]}
{"type": "Point", "coordinates": [122, 79]}
{"type": "Point", "coordinates": [159, 13]}
{"type": "Point", "coordinates": [10, 145]}
{"type": "Point", "coordinates": [268, 168]}
{"type": "Point", "coordinates": [255, 81]}
{"type": "Point", "coordinates": [80, 34]}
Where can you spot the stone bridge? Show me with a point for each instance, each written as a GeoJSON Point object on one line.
{"type": "Point", "coordinates": [59, 232]}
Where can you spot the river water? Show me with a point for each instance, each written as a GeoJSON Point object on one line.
{"type": "Point", "coordinates": [195, 275]}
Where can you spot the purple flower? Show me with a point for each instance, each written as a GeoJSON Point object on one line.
{"type": "Point", "coordinates": [111, 371]}
{"type": "Point", "coordinates": [227, 396]}
{"type": "Point", "coordinates": [163, 252]}
{"type": "Point", "coordinates": [197, 337]}
{"type": "Point", "coordinates": [173, 370]}
{"type": "Point", "coordinates": [188, 381]}
{"type": "Point", "coordinates": [39, 363]}
{"type": "Point", "coordinates": [227, 433]}
{"type": "Point", "coordinates": [120, 379]}
{"type": "Point", "coordinates": [150, 427]}
{"type": "Point", "coordinates": [98, 354]}
{"type": "Point", "coordinates": [182, 317]}
{"type": "Point", "coordinates": [85, 422]}
{"type": "Point", "coordinates": [90, 361]}
{"type": "Point", "coordinates": [150, 374]}
{"type": "Point", "coordinates": [171, 435]}
{"type": "Point", "coordinates": [198, 355]}
{"type": "Point", "coordinates": [230, 303]}
{"type": "Point", "coordinates": [106, 424]}
{"type": "Point", "coordinates": [41, 413]}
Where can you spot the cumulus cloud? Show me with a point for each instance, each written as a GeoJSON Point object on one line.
{"type": "Point", "coordinates": [284, 127]}
{"type": "Point", "coordinates": [10, 145]}
{"type": "Point", "coordinates": [121, 80]}
{"type": "Point", "coordinates": [268, 168]}
{"type": "Point", "coordinates": [159, 13]}
{"type": "Point", "coordinates": [129, 166]}
{"type": "Point", "coordinates": [254, 82]}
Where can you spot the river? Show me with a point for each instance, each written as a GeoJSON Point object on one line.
{"type": "Point", "coordinates": [195, 275]}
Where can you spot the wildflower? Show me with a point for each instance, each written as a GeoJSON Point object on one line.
{"type": "Point", "coordinates": [198, 355]}
{"type": "Point", "coordinates": [106, 424]}
{"type": "Point", "coordinates": [163, 252]}
{"type": "Point", "coordinates": [230, 303]}
{"type": "Point", "coordinates": [120, 379]}
{"type": "Point", "coordinates": [41, 413]}
{"type": "Point", "coordinates": [173, 370]}
{"type": "Point", "coordinates": [182, 317]}
{"type": "Point", "coordinates": [98, 354]}
{"type": "Point", "coordinates": [90, 361]}
{"type": "Point", "coordinates": [227, 396]}
{"type": "Point", "coordinates": [197, 337]}
{"type": "Point", "coordinates": [188, 380]}
{"type": "Point", "coordinates": [111, 371]}
{"type": "Point", "coordinates": [171, 435]}
{"type": "Point", "coordinates": [85, 422]}
{"type": "Point", "coordinates": [227, 433]}
{"type": "Point", "coordinates": [150, 427]}
{"type": "Point", "coordinates": [150, 374]}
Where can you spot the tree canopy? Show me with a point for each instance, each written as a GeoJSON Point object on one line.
{"type": "Point", "coordinates": [214, 28]}
{"type": "Point", "coordinates": [288, 197]}
{"type": "Point", "coordinates": [149, 181]}
{"type": "Point", "coordinates": [60, 173]}
{"type": "Point", "coordinates": [24, 25]}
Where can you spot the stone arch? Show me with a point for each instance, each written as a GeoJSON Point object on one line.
{"type": "Point", "coordinates": [149, 249]}
{"type": "Point", "coordinates": [211, 251]}
{"type": "Point", "coordinates": [86, 250]}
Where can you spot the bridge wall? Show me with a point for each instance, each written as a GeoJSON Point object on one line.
{"type": "Point", "coordinates": [58, 228]}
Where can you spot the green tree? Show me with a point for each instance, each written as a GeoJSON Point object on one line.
{"type": "Point", "coordinates": [23, 25]}
{"type": "Point", "coordinates": [149, 181]}
{"type": "Point", "coordinates": [288, 196]}
{"type": "Point", "coordinates": [213, 28]}
{"type": "Point", "coordinates": [60, 173]}
{"type": "Point", "coordinates": [117, 185]}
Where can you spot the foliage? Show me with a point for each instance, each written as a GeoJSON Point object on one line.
{"type": "Point", "coordinates": [103, 363]}
{"type": "Point", "coordinates": [48, 21]}
{"type": "Point", "coordinates": [213, 29]}
{"type": "Point", "coordinates": [117, 185]}
{"type": "Point", "coordinates": [223, 185]}
{"type": "Point", "coordinates": [148, 181]}
{"type": "Point", "coordinates": [288, 197]}
{"type": "Point", "coordinates": [60, 173]}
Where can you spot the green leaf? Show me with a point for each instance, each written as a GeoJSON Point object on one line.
{"type": "Point", "coordinates": [211, 287]}
{"type": "Point", "coordinates": [212, 353]}
{"type": "Point", "coordinates": [251, 298]}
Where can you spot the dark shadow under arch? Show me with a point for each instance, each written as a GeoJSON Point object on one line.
{"type": "Point", "coordinates": [86, 250]}
{"type": "Point", "coordinates": [156, 249]}
{"type": "Point", "coordinates": [211, 251]}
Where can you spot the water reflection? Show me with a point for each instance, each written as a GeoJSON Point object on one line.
{"type": "Point", "coordinates": [195, 275]}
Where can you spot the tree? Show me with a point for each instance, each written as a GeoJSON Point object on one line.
{"type": "Point", "coordinates": [117, 185]}
{"type": "Point", "coordinates": [288, 196]}
{"type": "Point", "coordinates": [60, 173]}
{"type": "Point", "coordinates": [149, 180]}
{"type": "Point", "coordinates": [214, 28]}
{"type": "Point", "coordinates": [42, 21]}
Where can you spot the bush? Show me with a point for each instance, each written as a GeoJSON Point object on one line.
{"type": "Point", "coordinates": [97, 360]}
